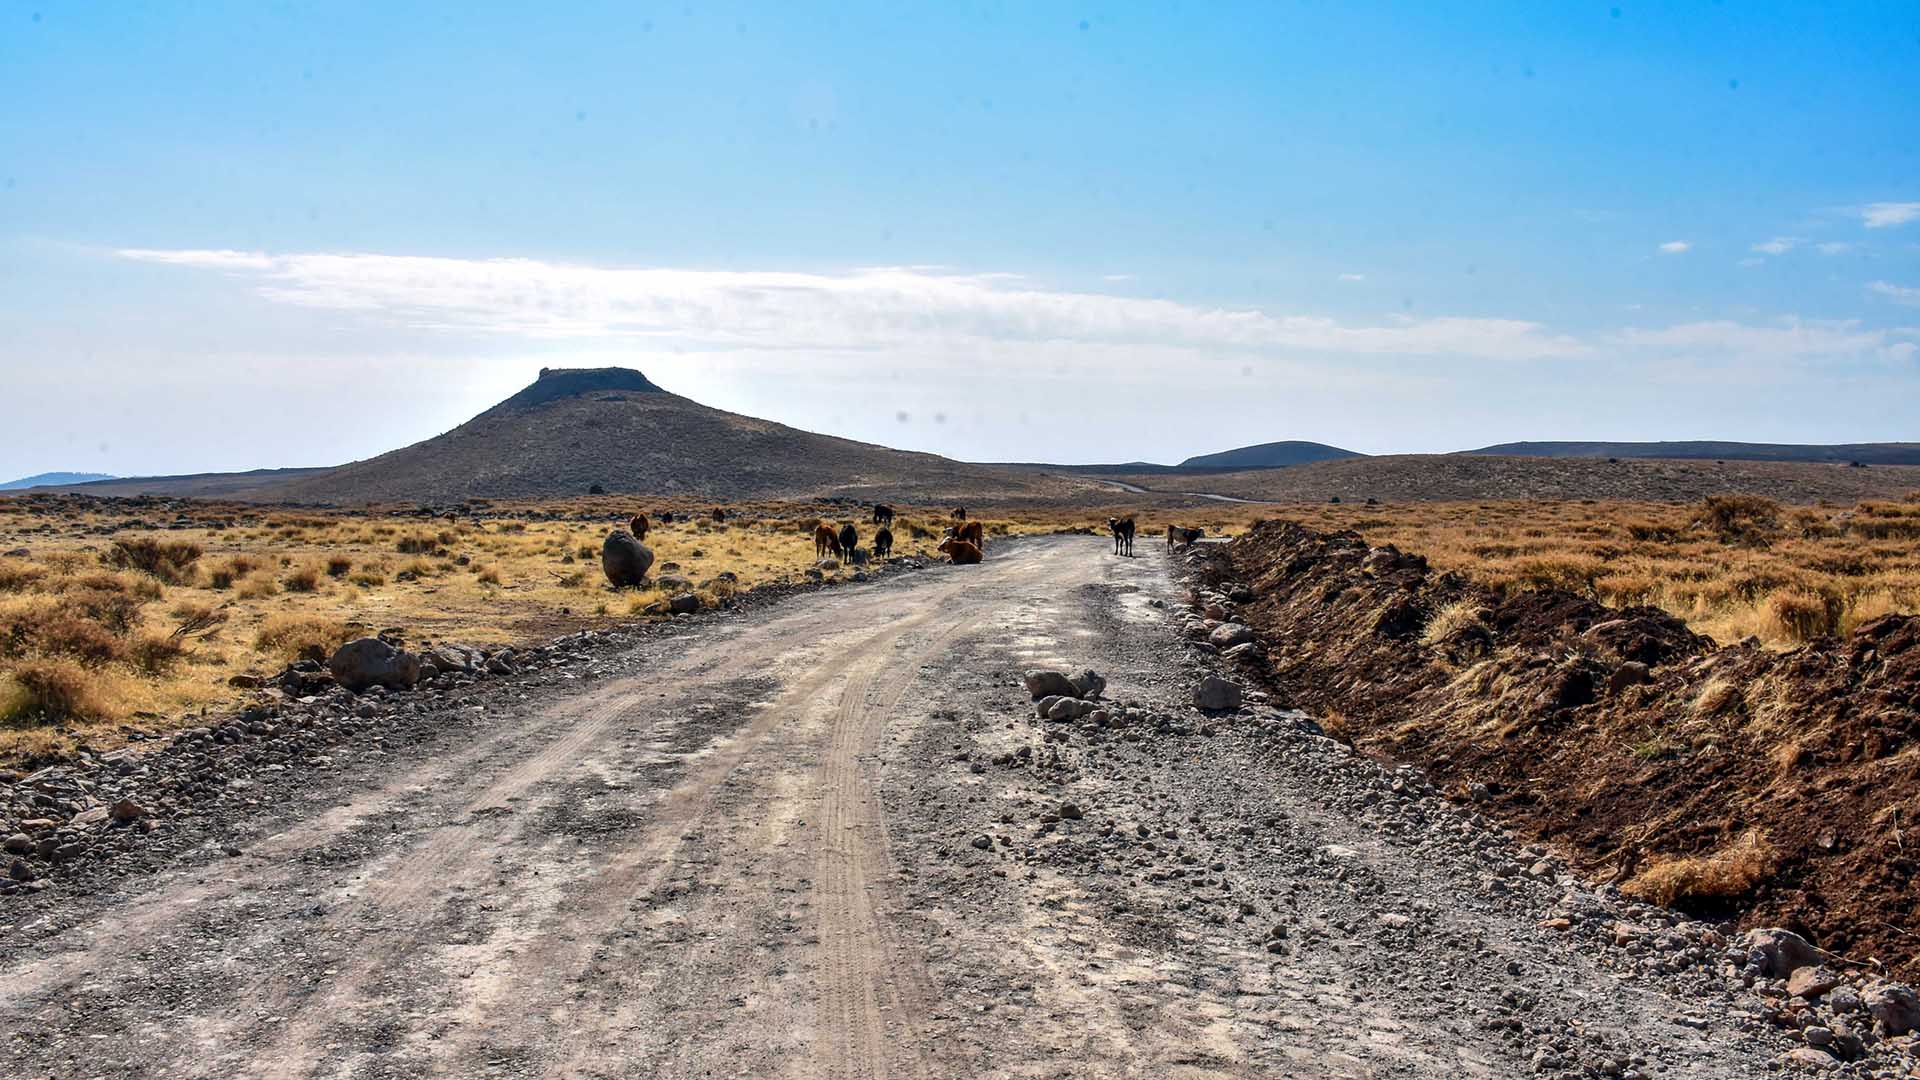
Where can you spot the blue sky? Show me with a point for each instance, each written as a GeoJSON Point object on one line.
{"type": "Point", "coordinates": [237, 235]}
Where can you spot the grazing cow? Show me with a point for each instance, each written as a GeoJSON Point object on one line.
{"type": "Point", "coordinates": [959, 513]}
{"type": "Point", "coordinates": [972, 533]}
{"type": "Point", "coordinates": [638, 527]}
{"type": "Point", "coordinates": [719, 514]}
{"type": "Point", "coordinates": [882, 515]}
{"type": "Point", "coordinates": [1122, 529]}
{"type": "Point", "coordinates": [849, 538]}
{"type": "Point", "coordinates": [825, 541]}
{"type": "Point", "coordinates": [961, 552]}
{"type": "Point", "coordinates": [666, 517]}
{"type": "Point", "coordinates": [1183, 537]}
{"type": "Point", "coordinates": [883, 543]}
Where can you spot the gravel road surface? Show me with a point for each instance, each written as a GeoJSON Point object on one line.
{"type": "Point", "coordinates": [829, 838]}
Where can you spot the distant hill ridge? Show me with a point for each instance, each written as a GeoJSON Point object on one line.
{"type": "Point", "coordinates": [1273, 455]}
{"type": "Point", "coordinates": [1891, 453]}
{"type": "Point", "coordinates": [48, 478]}
{"type": "Point", "coordinates": [574, 430]}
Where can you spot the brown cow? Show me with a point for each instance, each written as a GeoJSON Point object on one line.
{"type": "Point", "coordinates": [825, 541]}
{"type": "Point", "coordinates": [1183, 537]}
{"type": "Point", "coordinates": [639, 526]}
{"type": "Point", "coordinates": [960, 513]}
{"type": "Point", "coordinates": [1122, 529]}
{"type": "Point", "coordinates": [971, 533]}
{"type": "Point", "coordinates": [961, 552]}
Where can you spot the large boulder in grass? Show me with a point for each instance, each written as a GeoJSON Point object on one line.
{"type": "Point", "coordinates": [367, 662]}
{"type": "Point", "coordinates": [625, 559]}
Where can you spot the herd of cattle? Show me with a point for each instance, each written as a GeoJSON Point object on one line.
{"type": "Point", "coordinates": [964, 542]}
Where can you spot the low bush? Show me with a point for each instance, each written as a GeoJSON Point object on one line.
{"type": "Point", "coordinates": [156, 654]}
{"type": "Point", "coordinates": [19, 575]}
{"type": "Point", "coordinates": [1802, 615]}
{"type": "Point", "coordinates": [171, 561]}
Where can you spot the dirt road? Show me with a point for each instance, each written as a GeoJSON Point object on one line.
{"type": "Point", "coordinates": [828, 839]}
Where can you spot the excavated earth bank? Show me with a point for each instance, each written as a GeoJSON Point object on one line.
{"type": "Point", "coordinates": [1773, 788]}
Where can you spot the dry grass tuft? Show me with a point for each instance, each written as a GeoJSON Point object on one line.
{"type": "Point", "coordinates": [302, 637]}
{"type": "Point", "coordinates": [1724, 875]}
{"type": "Point", "coordinates": [49, 691]}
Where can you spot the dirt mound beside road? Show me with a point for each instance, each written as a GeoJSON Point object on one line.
{"type": "Point", "coordinates": [1771, 787]}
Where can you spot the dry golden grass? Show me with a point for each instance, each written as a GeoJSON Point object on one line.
{"type": "Point", "coordinates": [1724, 875]}
{"type": "Point", "coordinates": [1732, 567]}
{"type": "Point", "coordinates": [155, 623]}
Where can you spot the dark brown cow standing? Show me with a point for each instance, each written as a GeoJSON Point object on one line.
{"type": "Point", "coordinates": [639, 526]}
{"type": "Point", "coordinates": [825, 541]}
{"type": "Point", "coordinates": [883, 543]}
{"type": "Point", "coordinates": [1122, 529]}
{"type": "Point", "coordinates": [849, 539]}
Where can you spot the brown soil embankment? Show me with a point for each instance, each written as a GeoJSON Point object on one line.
{"type": "Point", "coordinates": [1772, 787]}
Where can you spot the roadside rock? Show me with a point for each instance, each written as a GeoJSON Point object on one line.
{"type": "Point", "coordinates": [1228, 635]}
{"type": "Point", "coordinates": [1215, 694]}
{"type": "Point", "coordinates": [1046, 683]}
{"type": "Point", "coordinates": [456, 658]}
{"type": "Point", "coordinates": [684, 604]}
{"type": "Point", "coordinates": [1812, 981]}
{"type": "Point", "coordinates": [1089, 684]}
{"type": "Point", "coordinates": [1894, 1005]}
{"type": "Point", "coordinates": [364, 663]}
{"type": "Point", "coordinates": [1778, 953]}
{"type": "Point", "coordinates": [625, 559]}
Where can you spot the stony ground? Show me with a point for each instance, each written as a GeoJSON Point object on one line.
{"type": "Point", "coordinates": [831, 838]}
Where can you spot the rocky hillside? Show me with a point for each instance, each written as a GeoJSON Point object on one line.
{"type": "Point", "coordinates": [1774, 787]}
{"type": "Point", "coordinates": [576, 431]}
{"type": "Point", "coordinates": [1836, 453]}
{"type": "Point", "coordinates": [1441, 477]}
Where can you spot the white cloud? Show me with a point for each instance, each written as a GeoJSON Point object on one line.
{"type": "Point", "coordinates": [1116, 277]}
{"type": "Point", "coordinates": [1789, 338]}
{"type": "Point", "coordinates": [1753, 260]}
{"type": "Point", "coordinates": [1353, 277]}
{"type": "Point", "coordinates": [1883, 215]}
{"type": "Point", "coordinates": [216, 260]}
{"type": "Point", "coordinates": [1675, 247]}
{"type": "Point", "coordinates": [1899, 294]}
{"type": "Point", "coordinates": [867, 308]}
{"type": "Point", "coordinates": [1779, 245]}
{"type": "Point", "coordinates": [1833, 247]}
